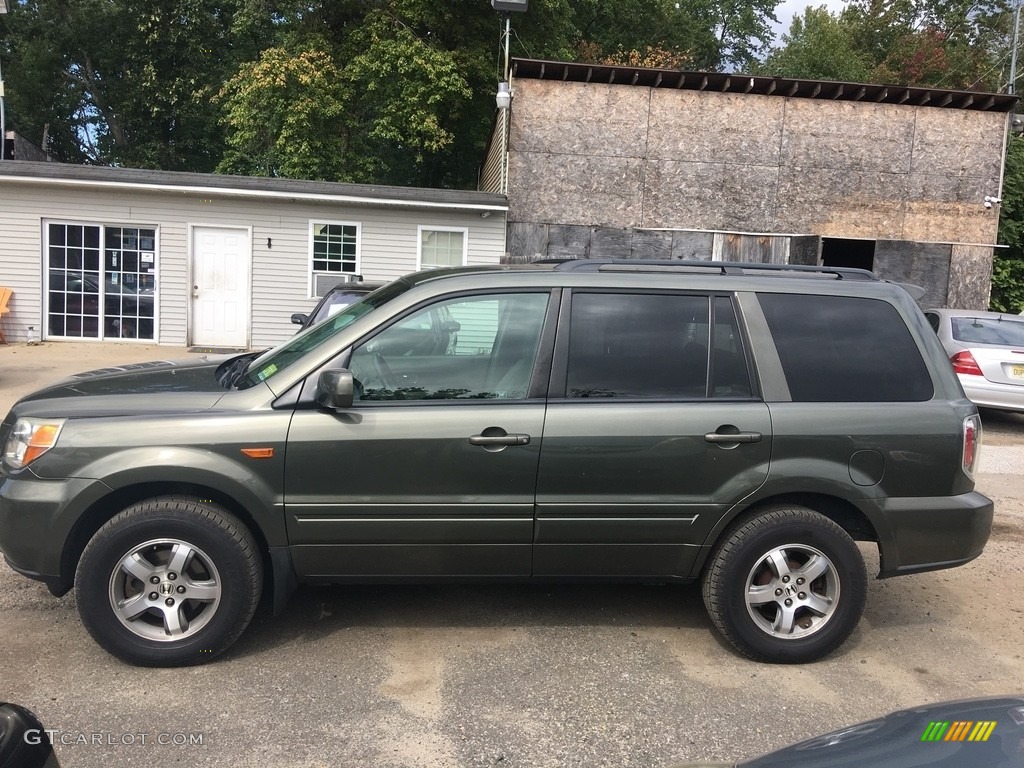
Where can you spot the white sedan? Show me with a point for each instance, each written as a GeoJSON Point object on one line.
{"type": "Point", "coordinates": [986, 350]}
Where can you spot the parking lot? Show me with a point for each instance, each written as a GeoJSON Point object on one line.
{"type": "Point", "coordinates": [520, 675]}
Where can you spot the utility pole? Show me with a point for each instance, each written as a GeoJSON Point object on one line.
{"type": "Point", "coordinates": [506, 8]}
{"type": "Point", "coordinates": [1013, 53]}
{"type": "Point", "coordinates": [3, 114]}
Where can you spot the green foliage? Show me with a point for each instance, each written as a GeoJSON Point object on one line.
{"type": "Point", "coordinates": [1007, 283]}
{"type": "Point", "coordinates": [819, 46]}
{"type": "Point", "coordinates": [285, 111]}
{"type": "Point", "coordinates": [407, 90]}
{"type": "Point", "coordinates": [939, 43]}
{"type": "Point", "coordinates": [122, 82]}
{"type": "Point", "coordinates": [1008, 267]}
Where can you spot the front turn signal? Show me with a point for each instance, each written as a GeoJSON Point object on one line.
{"type": "Point", "coordinates": [30, 439]}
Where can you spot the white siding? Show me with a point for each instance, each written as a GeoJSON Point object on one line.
{"type": "Point", "coordinates": [280, 273]}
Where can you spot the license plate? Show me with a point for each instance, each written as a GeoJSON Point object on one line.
{"type": "Point", "coordinates": [1017, 371]}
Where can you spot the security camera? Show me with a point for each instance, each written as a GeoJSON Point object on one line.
{"type": "Point", "coordinates": [989, 201]}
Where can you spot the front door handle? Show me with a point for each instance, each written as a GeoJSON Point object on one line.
{"type": "Point", "coordinates": [734, 437]}
{"type": "Point", "coordinates": [506, 439]}
{"type": "Point", "coordinates": [495, 439]}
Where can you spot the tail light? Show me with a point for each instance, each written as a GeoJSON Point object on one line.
{"type": "Point", "coordinates": [972, 443]}
{"type": "Point", "coordinates": [964, 362]}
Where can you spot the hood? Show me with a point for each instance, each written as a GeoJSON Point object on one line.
{"type": "Point", "coordinates": [980, 733]}
{"type": "Point", "coordinates": [161, 385]}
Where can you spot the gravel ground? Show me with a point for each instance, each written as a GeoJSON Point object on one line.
{"type": "Point", "coordinates": [424, 676]}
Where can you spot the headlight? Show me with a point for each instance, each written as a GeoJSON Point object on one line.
{"type": "Point", "coordinates": [30, 439]}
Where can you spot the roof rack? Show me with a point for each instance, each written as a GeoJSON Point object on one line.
{"type": "Point", "coordinates": [721, 267]}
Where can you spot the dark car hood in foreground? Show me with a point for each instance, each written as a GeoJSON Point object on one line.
{"type": "Point", "coordinates": [917, 737]}
{"type": "Point", "coordinates": [928, 736]}
{"type": "Point", "coordinates": [149, 387]}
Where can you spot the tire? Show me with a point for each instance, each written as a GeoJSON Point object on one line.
{"type": "Point", "coordinates": [169, 615]}
{"type": "Point", "coordinates": [758, 566]}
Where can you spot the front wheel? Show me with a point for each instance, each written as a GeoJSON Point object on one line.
{"type": "Point", "coordinates": [786, 586]}
{"type": "Point", "coordinates": [169, 582]}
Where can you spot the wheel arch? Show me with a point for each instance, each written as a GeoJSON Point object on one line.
{"type": "Point", "coordinates": [104, 509]}
{"type": "Point", "coordinates": [840, 511]}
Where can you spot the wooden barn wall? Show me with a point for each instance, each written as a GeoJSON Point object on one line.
{"type": "Point", "coordinates": [597, 169]}
{"type": "Point", "coordinates": [623, 156]}
{"type": "Point", "coordinates": [970, 277]}
{"type": "Point", "coordinates": [923, 264]}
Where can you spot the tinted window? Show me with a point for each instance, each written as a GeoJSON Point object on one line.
{"type": "Point", "coordinates": [844, 349]}
{"type": "Point", "coordinates": [468, 348]}
{"type": "Point", "coordinates": [638, 345]}
{"type": "Point", "coordinates": [729, 376]}
{"type": "Point", "coordinates": [983, 330]}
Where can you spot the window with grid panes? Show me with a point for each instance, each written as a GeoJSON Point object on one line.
{"type": "Point", "coordinates": [442, 248]}
{"type": "Point", "coordinates": [335, 247]}
{"type": "Point", "coordinates": [101, 281]}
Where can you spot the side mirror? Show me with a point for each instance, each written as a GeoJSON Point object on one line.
{"type": "Point", "coordinates": [298, 318]}
{"type": "Point", "coordinates": [335, 389]}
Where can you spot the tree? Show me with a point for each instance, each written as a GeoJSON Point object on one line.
{"type": "Point", "coordinates": [938, 43]}
{"type": "Point", "coordinates": [1008, 266]}
{"type": "Point", "coordinates": [725, 34]}
{"type": "Point", "coordinates": [819, 46]}
{"type": "Point", "coordinates": [285, 111]}
{"type": "Point", "coordinates": [122, 82]}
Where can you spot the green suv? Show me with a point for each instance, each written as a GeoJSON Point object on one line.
{"type": "Point", "coordinates": [733, 424]}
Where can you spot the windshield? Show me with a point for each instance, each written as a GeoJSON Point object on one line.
{"type": "Point", "coordinates": [978, 330]}
{"type": "Point", "coordinates": [336, 302]}
{"type": "Point", "coordinates": [275, 360]}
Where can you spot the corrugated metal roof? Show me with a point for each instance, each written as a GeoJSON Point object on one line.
{"type": "Point", "coordinates": [249, 186]}
{"type": "Point", "coordinates": [766, 86]}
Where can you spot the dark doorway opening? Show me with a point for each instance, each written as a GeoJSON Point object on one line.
{"type": "Point", "coordinates": [843, 252]}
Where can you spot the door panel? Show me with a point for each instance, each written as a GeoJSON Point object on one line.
{"type": "Point", "coordinates": [635, 487]}
{"type": "Point", "coordinates": [433, 470]}
{"type": "Point", "coordinates": [654, 433]}
{"type": "Point", "coordinates": [405, 487]}
{"type": "Point", "coordinates": [220, 287]}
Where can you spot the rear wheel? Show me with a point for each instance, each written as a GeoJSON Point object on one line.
{"type": "Point", "coordinates": [168, 582]}
{"type": "Point", "coordinates": [788, 586]}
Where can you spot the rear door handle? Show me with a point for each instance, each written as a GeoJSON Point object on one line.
{"type": "Point", "coordinates": [735, 437]}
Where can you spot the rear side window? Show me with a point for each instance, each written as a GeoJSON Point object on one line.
{"type": "Point", "coordinates": [640, 345]}
{"type": "Point", "coordinates": [845, 349]}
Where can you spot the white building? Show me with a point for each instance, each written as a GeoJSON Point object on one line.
{"type": "Point", "coordinates": [212, 261]}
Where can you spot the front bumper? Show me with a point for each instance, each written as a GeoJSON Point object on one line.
{"type": "Point", "coordinates": [931, 533]}
{"type": "Point", "coordinates": [37, 519]}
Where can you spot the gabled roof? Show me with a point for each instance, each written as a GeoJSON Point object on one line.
{"type": "Point", "coordinates": [14, 171]}
{"type": "Point", "coordinates": [537, 69]}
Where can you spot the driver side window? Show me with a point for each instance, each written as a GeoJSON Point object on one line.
{"type": "Point", "coordinates": [481, 347]}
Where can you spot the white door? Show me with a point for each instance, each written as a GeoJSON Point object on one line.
{"type": "Point", "coordinates": [220, 287]}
